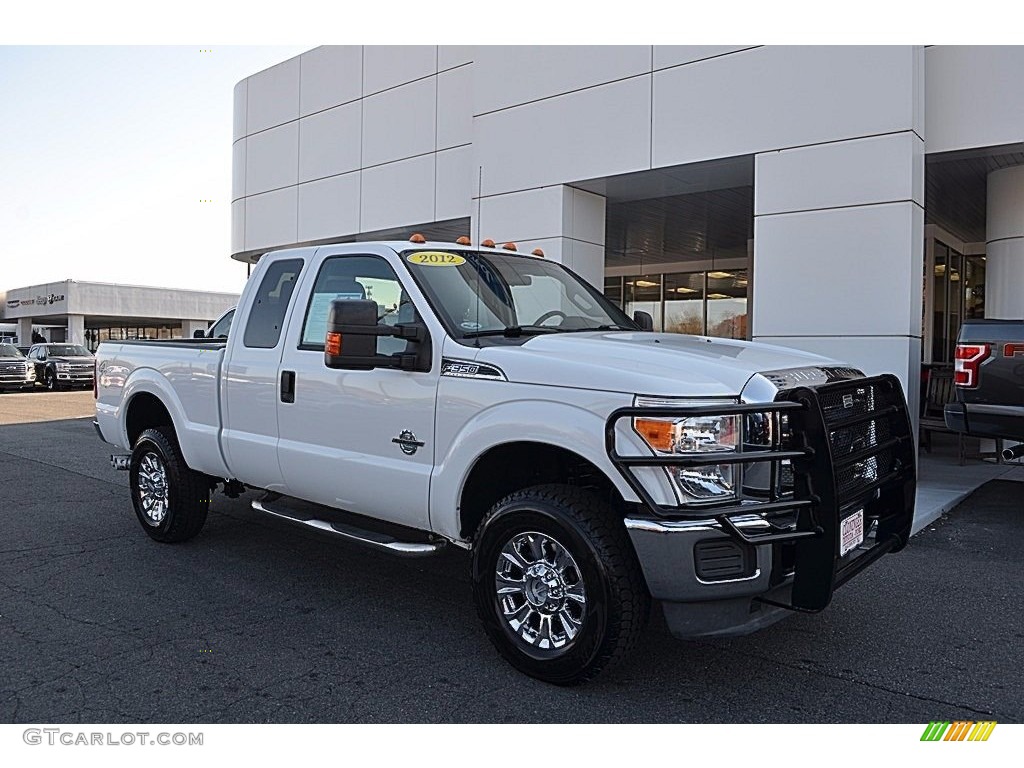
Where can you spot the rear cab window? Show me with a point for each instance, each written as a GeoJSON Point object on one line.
{"type": "Point", "coordinates": [270, 305]}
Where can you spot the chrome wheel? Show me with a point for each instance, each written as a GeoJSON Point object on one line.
{"type": "Point", "coordinates": [540, 591]}
{"type": "Point", "coordinates": [153, 492]}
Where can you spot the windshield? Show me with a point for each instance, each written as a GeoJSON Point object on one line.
{"type": "Point", "coordinates": [67, 350]}
{"type": "Point", "coordinates": [9, 350]}
{"type": "Point", "coordinates": [493, 294]}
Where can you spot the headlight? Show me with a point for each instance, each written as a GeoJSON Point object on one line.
{"type": "Point", "coordinates": [30, 371]}
{"type": "Point", "coordinates": [692, 436]}
{"type": "Point", "coordinates": [62, 366]}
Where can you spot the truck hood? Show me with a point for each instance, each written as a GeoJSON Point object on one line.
{"type": "Point", "coordinates": [666, 364]}
{"type": "Point", "coordinates": [68, 359]}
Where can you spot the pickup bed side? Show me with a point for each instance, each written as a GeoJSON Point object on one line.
{"type": "Point", "coordinates": [144, 384]}
{"type": "Point", "coordinates": [989, 380]}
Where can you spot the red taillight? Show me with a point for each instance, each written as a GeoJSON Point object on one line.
{"type": "Point", "coordinates": [968, 358]}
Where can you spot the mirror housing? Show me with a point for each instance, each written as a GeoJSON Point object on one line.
{"type": "Point", "coordinates": [644, 320]}
{"type": "Point", "coordinates": [351, 339]}
{"type": "Point", "coordinates": [198, 333]}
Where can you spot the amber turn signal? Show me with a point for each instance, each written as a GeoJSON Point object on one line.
{"type": "Point", "coordinates": [418, 239]}
{"type": "Point", "coordinates": [463, 241]}
{"type": "Point", "coordinates": [656, 433]}
{"type": "Point", "coordinates": [333, 345]}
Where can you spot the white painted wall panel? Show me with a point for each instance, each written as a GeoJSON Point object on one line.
{"type": "Point", "coordinates": [454, 185]}
{"type": "Point", "coordinates": [329, 207]}
{"type": "Point", "coordinates": [400, 123]}
{"type": "Point", "coordinates": [506, 75]}
{"type": "Point", "coordinates": [397, 194]}
{"type": "Point", "coordinates": [239, 110]}
{"type": "Point", "coordinates": [842, 271]}
{"type": "Point", "coordinates": [271, 159]}
{"type": "Point", "coordinates": [329, 142]}
{"type": "Point", "coordinates": [972, 96]}
{"type": "Point", "coordinates": [449, 56]}
{"type": "Point", "coordinates": [455, 107]}
{"type": "Point", "coordinates": [238, 169]}
{"type": "Point", "coordinates": [385, 66]}
{"type": "Point", "coordinates": [779, 97]}
{"type": "Point", "coordinates": [531, 215]}
{"type": "Point", "coordinates": [591, 133]}
{"type": "Point", "coordinates": [237, 226]}
{"type": "Point", "coordinates": [1005, 203]}
{"type": "Point", "coordinates": [273, 96]}
{"type": "Point", "coordinates": [271, 218]}
{"type": "Point", "coordinates": [583, 216]}
{"type": "Point", "coordinates": [331, 75]}
{"type": "Point", "coordinates": [856, 172]}
{"type": "Point", "coordinates": [674, 55]}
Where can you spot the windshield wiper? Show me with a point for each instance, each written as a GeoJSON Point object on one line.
{"type": "Point", "coordinates": [513, 331]}
{"type": "Point", "coordinates": [611, 327]}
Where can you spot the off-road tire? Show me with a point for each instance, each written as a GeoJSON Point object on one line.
{"type": "Point", "coordinates": [591, 530]}
{"type": "Point", "coordinates": [188, 491]}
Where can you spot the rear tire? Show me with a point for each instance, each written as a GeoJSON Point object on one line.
{"type": "Point", "coordinates": [170, 499]}
{"type": "Point", "coordinates": [572, 599]}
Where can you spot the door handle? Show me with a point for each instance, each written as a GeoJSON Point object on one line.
{"type": "Point", "coordinates": [287, 386]}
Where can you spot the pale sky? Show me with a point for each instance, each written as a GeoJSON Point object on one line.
{"type": "Point", "coordinates": [105, 155]}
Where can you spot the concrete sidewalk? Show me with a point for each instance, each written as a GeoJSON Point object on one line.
{"type": "Point", "coordinates": [942, 483]}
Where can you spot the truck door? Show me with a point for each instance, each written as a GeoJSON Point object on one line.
{"type": "Point", "coordinates": [356, 440]}
{"type": "Point", "coordinates": [250, 377]}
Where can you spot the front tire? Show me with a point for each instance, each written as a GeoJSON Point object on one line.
{"type": "Point", "coordinates": [557, 584]}
{"type": "Point", "coordinates": [50, 380]}
{"type": "Point", "coordinates": [171, 500]}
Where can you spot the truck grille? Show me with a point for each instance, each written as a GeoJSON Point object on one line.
{"type": "Point", "coordinates": [864, 421]}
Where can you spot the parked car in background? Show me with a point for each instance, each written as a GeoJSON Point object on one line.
{"type": "Point", "coordinates": [60, 366]}
{"type": "Point", "coordinates": [15, 371]}
{"type": "Point", "coordinates": [989, 382]}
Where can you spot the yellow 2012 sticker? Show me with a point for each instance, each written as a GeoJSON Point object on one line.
{"type": "Point", "coordinates": [435, 259]}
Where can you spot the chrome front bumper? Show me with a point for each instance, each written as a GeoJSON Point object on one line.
{"type": "Point", "coordinates": [697, 607]}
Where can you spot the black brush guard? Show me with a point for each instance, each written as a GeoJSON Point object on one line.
{"type": "Point", "coordinates": [849, 445]}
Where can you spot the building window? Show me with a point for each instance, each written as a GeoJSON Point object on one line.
{"type": "Point", "coordinates": [707, 302]}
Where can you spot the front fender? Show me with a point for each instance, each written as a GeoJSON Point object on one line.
{"type": "Point", "coordinates": [559, 424]}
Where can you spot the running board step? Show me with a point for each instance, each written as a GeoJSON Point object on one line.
{"type": "Point", "coordinates": [362, 530]}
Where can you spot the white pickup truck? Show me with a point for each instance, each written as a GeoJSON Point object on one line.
{"type": "Point", "coordinates": [413, 395]}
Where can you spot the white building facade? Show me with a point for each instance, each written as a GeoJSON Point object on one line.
{"type": "Point", "coordinates": [853, 201]}
{"type": "Point", "coordinates": [88, 313]}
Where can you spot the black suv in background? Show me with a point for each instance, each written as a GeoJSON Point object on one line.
{"type": "Point", "coordinates": [62, 365]}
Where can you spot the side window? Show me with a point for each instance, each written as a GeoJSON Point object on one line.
{"type": "Point", "coordinates": [223, 326]}
{"type": "Point", "coordinates": [357, 277]}
{"type": "Point", "coordinates": [270, 307]}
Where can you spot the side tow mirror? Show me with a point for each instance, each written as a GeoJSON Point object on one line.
{"type": "Point", "coordinates": [351, 339]}
{"type": "Point", "coordinates": [644, 320]}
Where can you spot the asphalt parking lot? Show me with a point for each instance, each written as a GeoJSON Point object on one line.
{"type": "Point", "coordinates": [254, 621]}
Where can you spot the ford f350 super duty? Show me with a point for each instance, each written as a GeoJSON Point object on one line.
{"type": "Point", "coordinates": [411, 395]}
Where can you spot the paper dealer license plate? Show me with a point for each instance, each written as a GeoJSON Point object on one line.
{"type": "Point", "coordinates": [851, 532]}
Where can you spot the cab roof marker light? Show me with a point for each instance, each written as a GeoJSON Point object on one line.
{"type": "Point", "coordinates": [538, 252]}
{"type": "Point", "coordinates": [417, 238]}
{"type": "Point", "coordinates": [488, 243]}
{"type": "Point", "coordinates": [463, 241]}
{"type": "Point", "coordinates": [510, 247]}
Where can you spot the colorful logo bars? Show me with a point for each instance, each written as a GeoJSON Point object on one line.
{"type": "Point", "coordinates": [961, 730]}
